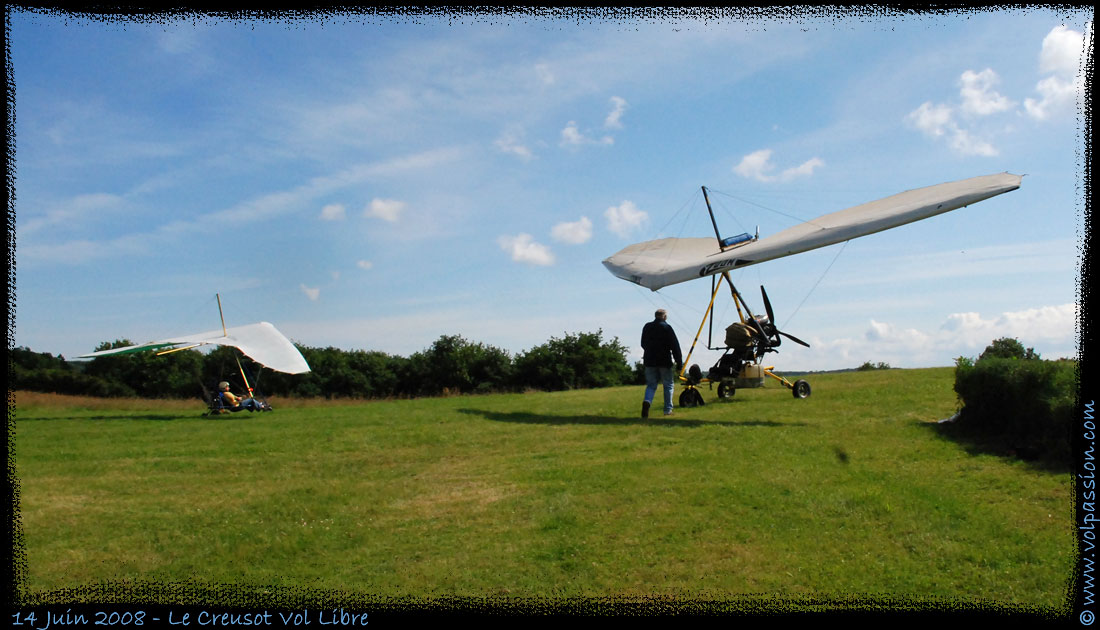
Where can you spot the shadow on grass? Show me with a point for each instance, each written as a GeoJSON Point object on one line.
{"type": "Point", "coordinates": [975, 443]}
{"type": "Point", "coordinates": [653, 421]}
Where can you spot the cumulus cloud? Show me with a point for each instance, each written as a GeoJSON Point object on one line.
{"type": "Point", "coordinates": [938, 121]}
{"type": "Point", "coordinates": [572, 137]}
{"type": "Point", "coordinates": [333, 212]}
{"type": "Point", "coordinates": [614, 119]}
{"type": "Point", "coordinates": [311, 292]}
{"type": "Point", "coordinates": [522, 248]}
{"type": "Point", "coordinates": [1058, 92]}
{"type": "Point", "coordinates": [967, 334]}
{"type": "Point", "coordinates": [933, 120]}
{"type": "Point", "coordinates": [573, 233]}
{"type": "Point", "coordinates": [1031, 325]}
{"type": "Point", "coordinates": [385, 209]}
{"type": "Point", "coordinates": [978, 99]}
{"type": "Point", "coordinates": [758, 165]}
{"type": "Point", "coordinates": [625, 218]}
{"type": "Point", "coordinates": [978, 96]}
{"type": "Point", "coordinates": [1048, 329]}
{"type": "Point", "coordinates": [1060, 58]}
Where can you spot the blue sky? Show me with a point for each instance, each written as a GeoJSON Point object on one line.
{"type": "Point", "coordinates": [371, 182]}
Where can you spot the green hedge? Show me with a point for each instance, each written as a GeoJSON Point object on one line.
{"type": "Point", "coordinates": [1025, 405]}
{"type": "Point", "coordinates": [451, 365]}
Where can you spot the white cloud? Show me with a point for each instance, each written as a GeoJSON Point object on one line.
{"type": "Point", "coordinates": [978, 98]}
{"type": "Point", "coordinates": [311, 293]}
{"type": "Point", "coordinates": [1030, 325]}
{"type": "Point", "coordinates": [1060, 58]}
{"type": "Point", "coordinates": [365, 264]}
{"type": "Point", "coordinates": [571, 136]}
{"type": "Point", "coordinates": [966, 144]}
{"type": "Point", "coordinates": [1048, 329]}
{"type": "Point", "coordinates": [978, 95]}
{"type": "Point", "coordinates": [510, 143]}
{"type": "Point", "coordinates": [933, 120]}
{"type": "Point", "coordinates": [804, 169]}
{"type": "Point", "coordinates": [757, 165]}
{"type": "Point", "coordinates": [333, 212]}
{"type": "Point", "coordinates": [522, 248]}
{"type": "Point", "coordinates": [938, 120]}
{"type": "Point", "coordinates": [1056, 94]}
{"type": "Point", "coordinates": [1061, 52]}
{"type": "Point", "coordinates": [613, 119]}
{"type": "Point", "coordinates": [385, 209]}
{"type": "Point", "coordinates": [573, 233]}
{"type": "Point", "coordinates": [625, 218]}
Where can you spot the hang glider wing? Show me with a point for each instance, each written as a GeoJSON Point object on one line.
{"type": "Point", "coordinates": [261, 342]}
{"type": "Point", "coordinates": [663, 262]}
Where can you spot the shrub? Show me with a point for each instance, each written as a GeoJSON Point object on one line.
{"type": "Point", "coordinates": [867, 365]}
{"type": "Point", "coordinates": [1022, 405]}
{"type": "Point", "coordinates": [575, 361]}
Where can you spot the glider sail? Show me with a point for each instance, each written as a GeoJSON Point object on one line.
{"type": "Point", "coordinates": [663, 262]}
{"type": "Point", "coordinates": [261, 342]}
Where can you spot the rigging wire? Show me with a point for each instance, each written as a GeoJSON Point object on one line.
{"type": "Point", "coordinates": [822, 277]}
{"type": "Point", "coordinates": [762, 207]}
{"type": "Point", "coordinates": [683, 225]}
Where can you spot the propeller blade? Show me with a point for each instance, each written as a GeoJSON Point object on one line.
{"type": "Point", "coordinates": [756, 326]}
{"type": "Point", "coordinates": [793, 338]}
{"type": "Point", "coordinates": [767, 305]}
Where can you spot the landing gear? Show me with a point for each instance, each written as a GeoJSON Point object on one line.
{"type": "Point", "coordinates": [691, 397]}
{"type": "Point", "coordinates": [726, 390]}
{"type": "Point", "coordinates": [801, 389]}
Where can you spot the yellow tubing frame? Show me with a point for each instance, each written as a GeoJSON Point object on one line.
{"type": "Point", "coordinates": [737, 299]}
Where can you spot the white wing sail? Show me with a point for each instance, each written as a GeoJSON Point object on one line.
{"type": "Point", "coordinates": [663, 262]}
{"type": "Point", "coordinates": [261, 342]}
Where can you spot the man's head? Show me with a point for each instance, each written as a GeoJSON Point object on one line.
{"type": "Point", "coordinates": [661, 314]}
{"type": "Point", "coordinates": [223, 386]}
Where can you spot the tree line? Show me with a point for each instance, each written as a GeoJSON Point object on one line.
{"type": "Point", "coordinates": [451, 365]}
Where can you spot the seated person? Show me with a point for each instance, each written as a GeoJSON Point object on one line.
{"type": "Point", "coordinates": [232, 402]}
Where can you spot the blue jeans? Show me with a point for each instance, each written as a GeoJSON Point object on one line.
{"type": "Point", "coordinates": [251, 404]}
{"type": "Point", "coordinates": [653, 375]}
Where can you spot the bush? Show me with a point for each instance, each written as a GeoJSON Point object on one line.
{"type": "Point", "coordinates": [454, 365]}
{"type": "Point", "coordinates": [451, 365]}
{"type": "Point", "coordinates": [577, 361]}
{"type": "Point", "coordinates": [867, 365]}
{"type": "Point", "coordinates": [1022, 405]}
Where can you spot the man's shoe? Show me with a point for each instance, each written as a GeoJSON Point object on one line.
{"type": "Point", "coordinates": [645, 409]}
{"type": "Point", "coordinates": [668, 413]}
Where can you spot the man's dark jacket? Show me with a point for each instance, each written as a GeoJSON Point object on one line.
{"type": "Point", "coordinates": [660, 345]}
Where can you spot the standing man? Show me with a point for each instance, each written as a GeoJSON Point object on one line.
{"type": "Point", "coordinates": [660, 347]}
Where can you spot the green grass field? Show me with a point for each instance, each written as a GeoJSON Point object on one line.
{"type": "Point", "coordinates": [849, 493]}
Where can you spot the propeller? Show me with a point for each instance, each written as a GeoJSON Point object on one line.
{"type": "Point", "coordinates": [772, 331]}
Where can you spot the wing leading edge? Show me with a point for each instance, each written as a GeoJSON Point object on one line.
{"type": "Point", "coordinates": [261, 342]}
{"type": "Point", "coordinates": [660, 263]}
